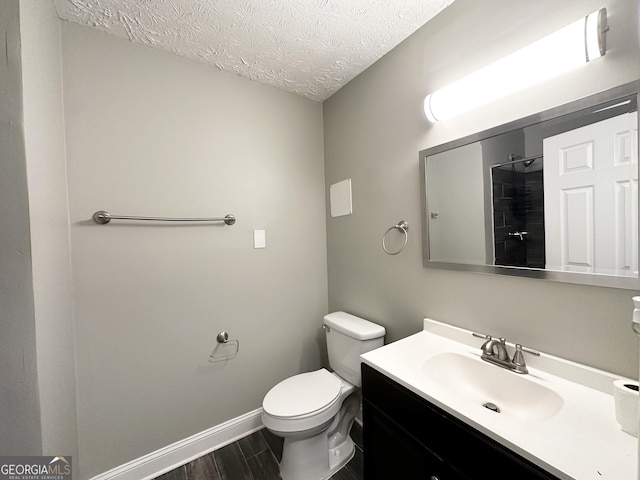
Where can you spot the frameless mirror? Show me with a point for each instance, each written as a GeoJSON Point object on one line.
{"type": "Point", "coordinates": [553, 195]}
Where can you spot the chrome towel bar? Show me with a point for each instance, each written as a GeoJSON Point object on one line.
{"type": "Point", "coordinates": [103, 218]}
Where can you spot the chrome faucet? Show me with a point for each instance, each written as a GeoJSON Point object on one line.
{"type": "Point", "coordinates": [495, 351]}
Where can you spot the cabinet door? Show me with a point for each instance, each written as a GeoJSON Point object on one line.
{"type": "Point", "coordinates": [464, 451]}
{"type": "Point", "coordinates": [391, 453]}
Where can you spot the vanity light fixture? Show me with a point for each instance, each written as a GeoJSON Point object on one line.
{"type": "Point", "coordinates": [563, 50]}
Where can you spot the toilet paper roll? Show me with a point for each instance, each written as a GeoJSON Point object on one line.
{"type": "Point", "coordinates": [625, 393]}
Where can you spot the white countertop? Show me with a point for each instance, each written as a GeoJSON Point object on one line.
{"type": "Point", "coordinates": [582, 441]}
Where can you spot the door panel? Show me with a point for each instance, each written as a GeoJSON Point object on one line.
{"type": "Point", "coordinates": [591, 196]}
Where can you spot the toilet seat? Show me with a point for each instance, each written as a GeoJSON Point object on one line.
{"type": "Point", "coordinates": [303, 395]}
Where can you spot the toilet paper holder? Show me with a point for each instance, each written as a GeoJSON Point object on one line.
{"type": "Point", "coordinates": [228, 349]}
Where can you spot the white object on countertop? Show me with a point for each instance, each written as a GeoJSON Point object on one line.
{"type": "Point", "coordinates": [635, 319]}
{"type": "Point", "coordinates": [625, 393]}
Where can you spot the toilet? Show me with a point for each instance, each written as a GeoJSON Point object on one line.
{"type": "Point", "coordinates": [314, 411]}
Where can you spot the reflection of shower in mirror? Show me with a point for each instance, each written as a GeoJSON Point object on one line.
{"type": "Point", "coordinates": [518, 212]}
{"type": "Point", "coordinates": [520, 162]}
{"type": "Point", "coordinates": [525, 161]}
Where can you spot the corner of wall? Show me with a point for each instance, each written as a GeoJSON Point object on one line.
{"type": "Point", "coordinates": [49, 225]}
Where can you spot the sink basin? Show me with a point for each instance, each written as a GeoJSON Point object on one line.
{"type": "Point", "coordinates": [473, 380]}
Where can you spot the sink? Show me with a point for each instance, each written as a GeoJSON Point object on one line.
{"type": "Point", "coordinates": [469, 379]}
{"type": "Point", "coordinates": [558, 403]}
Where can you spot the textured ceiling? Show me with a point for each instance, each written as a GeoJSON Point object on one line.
{"type": "Point", "coordinates": [309, 47]}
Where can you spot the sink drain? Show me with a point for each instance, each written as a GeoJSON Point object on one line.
{"type": "Point", "coordinates": [491, 406]}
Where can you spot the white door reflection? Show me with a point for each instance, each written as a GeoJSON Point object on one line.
{"type": "Point", "coordinates": [591, 198]}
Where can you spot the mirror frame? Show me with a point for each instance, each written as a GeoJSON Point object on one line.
{"type": "Point", "coordinates": [594, 279]}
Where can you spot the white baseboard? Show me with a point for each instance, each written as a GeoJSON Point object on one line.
{"type": "Point", "coordinates": [172, 456]}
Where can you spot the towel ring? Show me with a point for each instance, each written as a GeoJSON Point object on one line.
{"type": "Point", "coordinates": [403, 227]}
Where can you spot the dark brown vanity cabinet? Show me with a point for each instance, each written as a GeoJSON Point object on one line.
{"type": "Point", "coordinates": [407, 437]}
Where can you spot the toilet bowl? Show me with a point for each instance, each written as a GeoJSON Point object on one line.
{"type": "Point", "coordinates": [314, 411]}
{"type": "Point", "coordinates": [308, 411]}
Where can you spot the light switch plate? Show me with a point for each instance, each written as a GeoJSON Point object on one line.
{"type": "Point", "coordinates": [259, 239]}
{"type": "Point", "coordinates": [340, 198]}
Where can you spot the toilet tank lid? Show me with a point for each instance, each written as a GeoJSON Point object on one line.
{"type": "Point", "coordinates": [353, 326]}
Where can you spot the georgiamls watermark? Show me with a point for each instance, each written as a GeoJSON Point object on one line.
{"type": "Point", "coordinates": [35, 468]}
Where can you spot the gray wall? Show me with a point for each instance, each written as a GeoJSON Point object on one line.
{"type": "Point", "coordinates": [38, 415]}
{"type": "Point", "coordinates": [374, 129]}
{"type": "Point", "coordinates": [48, 213]}
{"type": "Point", "coordinates": [149, 133]}
{"type": "Point", "coordinates": [20, 429]}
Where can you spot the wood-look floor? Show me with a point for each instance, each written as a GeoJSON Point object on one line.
{"type": "Point", "coordinates": [256, 457]}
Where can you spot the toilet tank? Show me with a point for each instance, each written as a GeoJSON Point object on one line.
{"type": "Point", "coordinates": [348, 337]}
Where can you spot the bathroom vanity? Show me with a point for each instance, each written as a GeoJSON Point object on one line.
{"type": "Point", "coordinates": [409, 436]}
{"type": "Point", "coordinates": [425, 415]}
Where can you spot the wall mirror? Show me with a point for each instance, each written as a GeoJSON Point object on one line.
{"type": "Point", "coordinates": [553, 195]}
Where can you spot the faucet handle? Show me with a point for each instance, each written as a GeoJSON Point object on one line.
{"type": "Point", "coordinates": [519, 365]}
{"type": "Point", "coordinates": [518, 358]}
{"type": "Point", "coordinates": [488, 339]}
{"type": "Point", "coordinates": [529, 351]}
{"type": "Point", "coordinates": [481, 335]}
